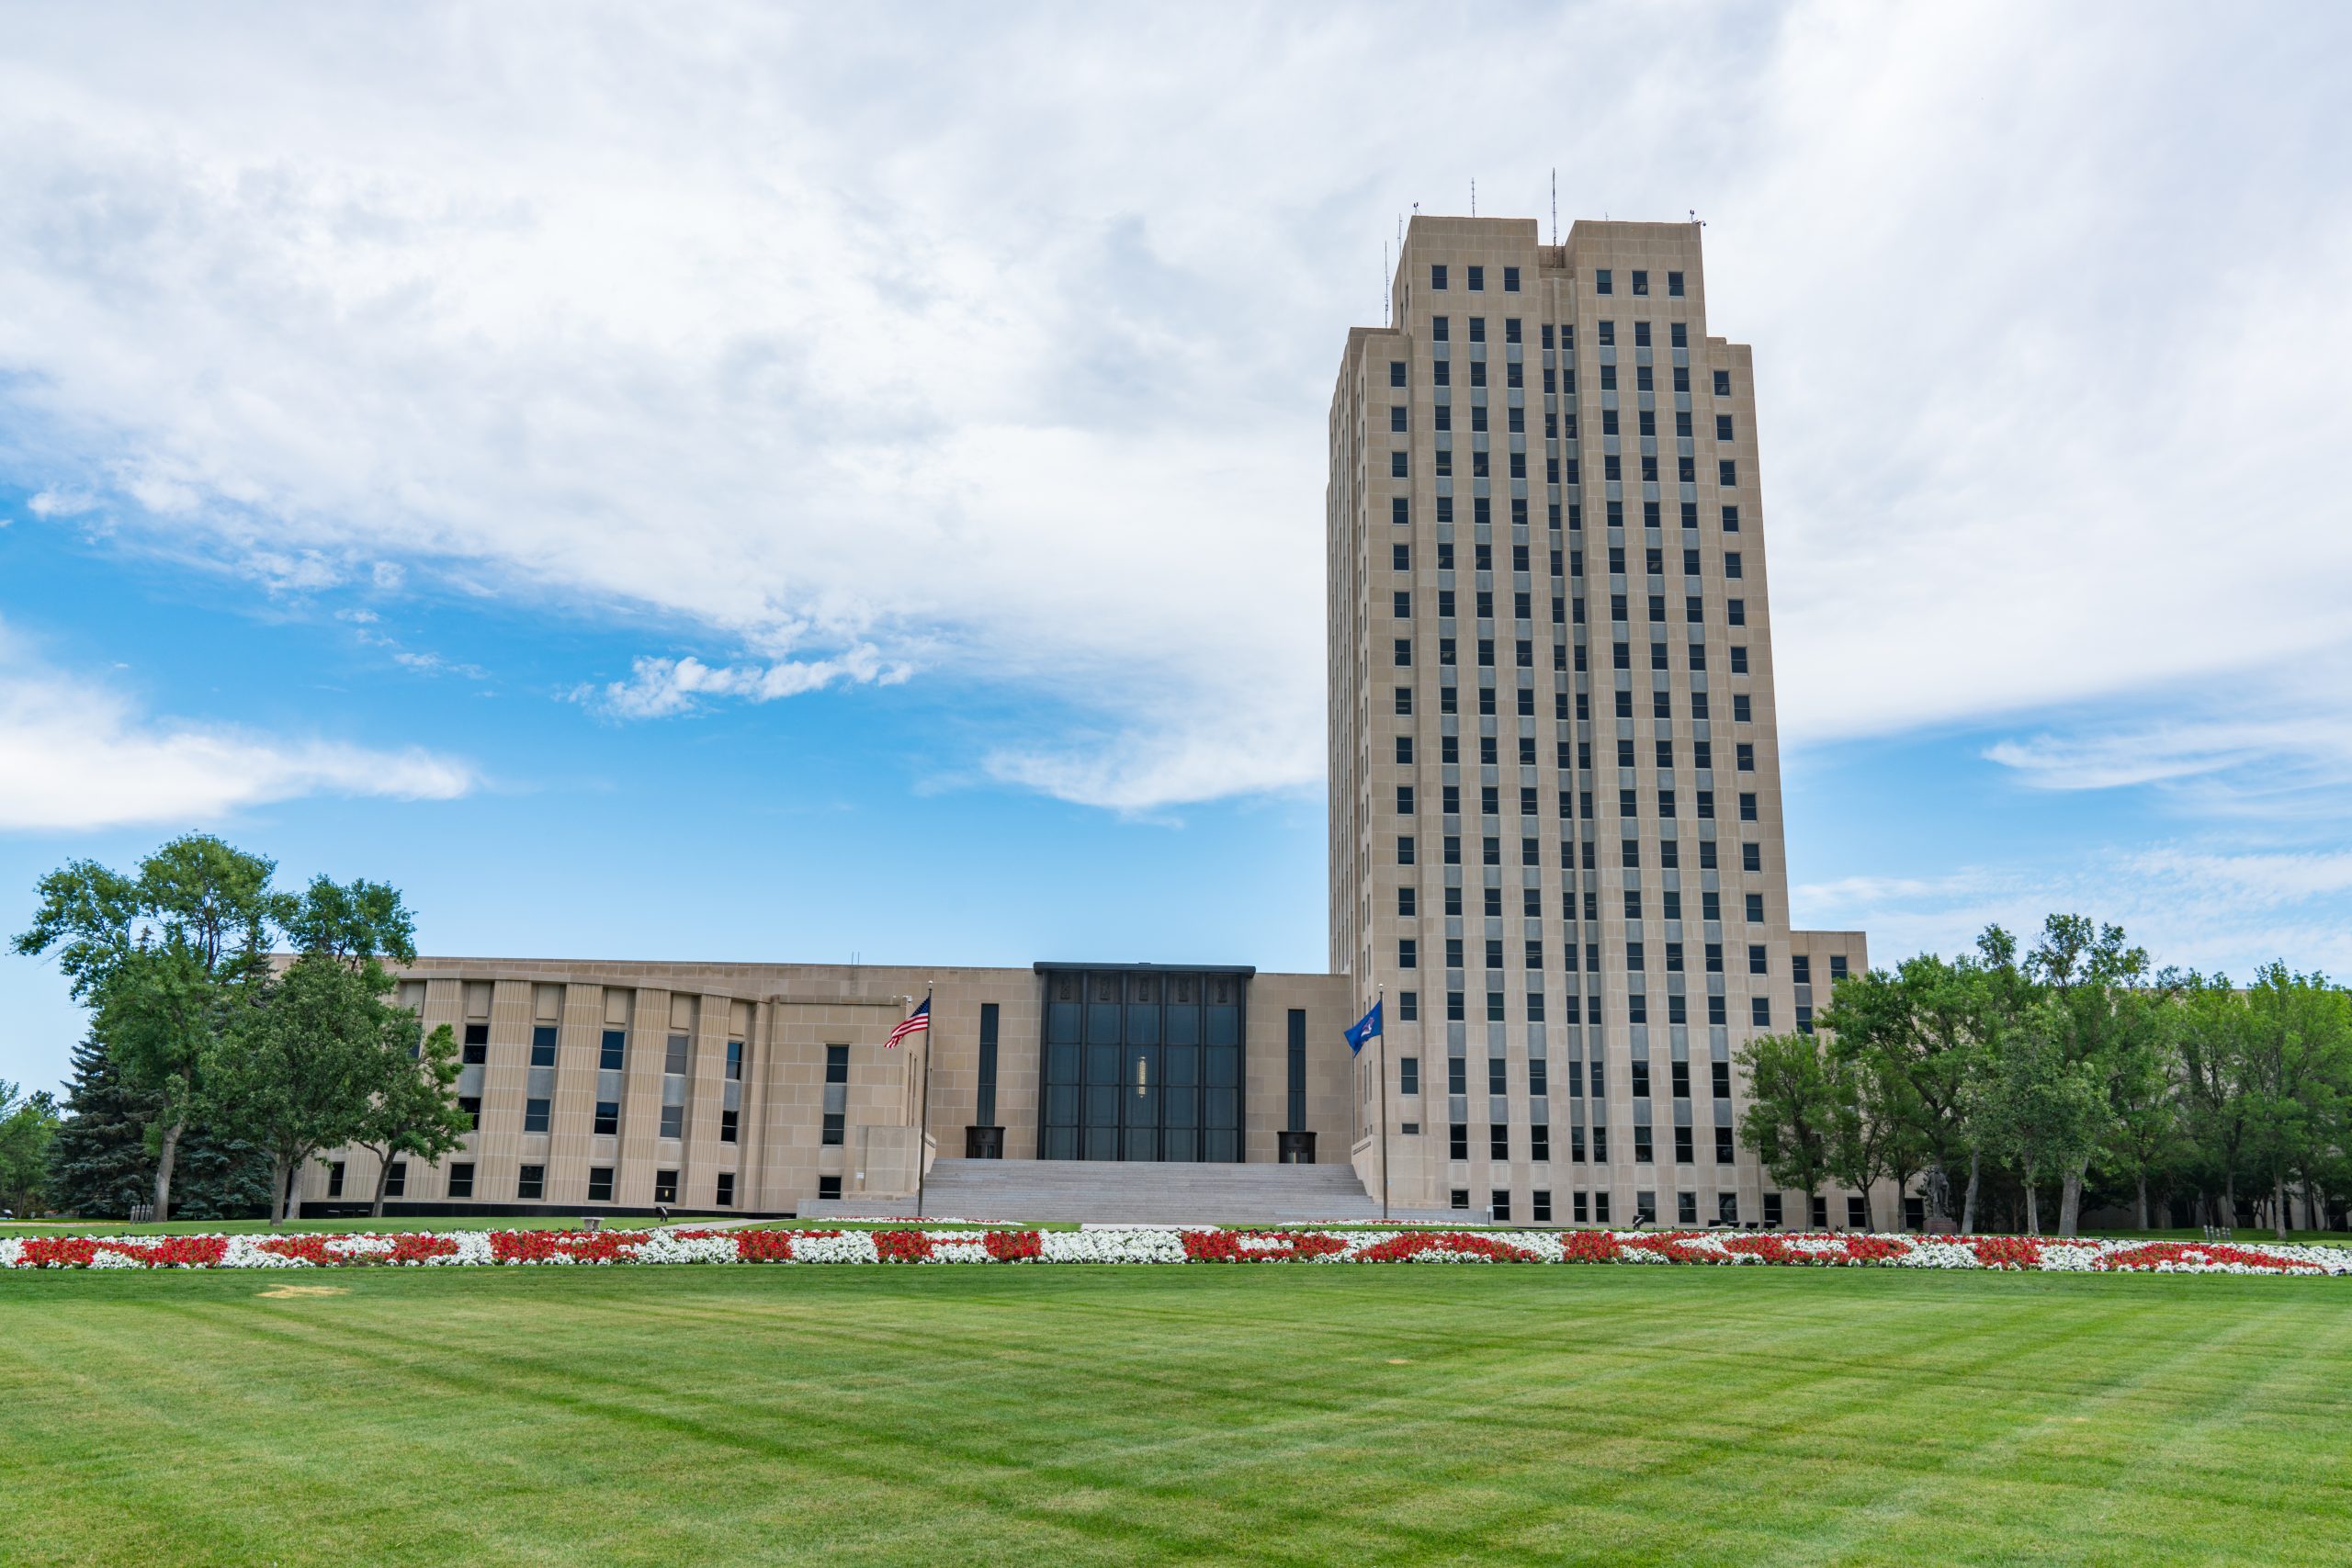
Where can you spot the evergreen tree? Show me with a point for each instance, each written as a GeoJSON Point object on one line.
{"type": "Point", "coordinates": [99, 1165]}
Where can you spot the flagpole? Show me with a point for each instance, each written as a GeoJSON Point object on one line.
{"type": "Point", "coordinates": [1380, 996]}
{"type": "Point", "coordinates": [922, 1117]}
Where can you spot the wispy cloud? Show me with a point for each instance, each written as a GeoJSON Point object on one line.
{"type": "Point", "coordinates": [76, 754]}
{"type": "Point", "coordinates": [657, 688]}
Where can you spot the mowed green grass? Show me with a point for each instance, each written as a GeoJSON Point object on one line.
{"type": "Point", "coordinates": [1087, 1414]}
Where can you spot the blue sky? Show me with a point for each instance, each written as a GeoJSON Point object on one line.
{"type": "Point", "coordinates": [808, 486]}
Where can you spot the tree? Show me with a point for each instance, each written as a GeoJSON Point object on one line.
{"type": "Point", "coordinates": [306, 1069]}
{"type": "Point", "coordinates": [2097, 1013]}
{"type": "Point", "coordinates": [2296, 1075]}
{"type": "Point", "coordinates": [2143, 1135]}
{"type": "Point", "coordinates": [1791, 1112]}
{"type": "Point", "coordinates": [2210, 1025]}
{"type": "Point", "coordinates": [2041, 1109]}
{"type": "Point", "coordinates": [98, 1163]}
{"type": "Point", "coordinates": [415, 1111]}
{"type": "Point", "coordinates": [1917, 1032]}
{"type": "Point", "coordinates": [165, 960]}
{"type": "Point", "coordinates": [27, 1125]}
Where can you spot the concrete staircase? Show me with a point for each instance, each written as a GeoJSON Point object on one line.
{"type": "Point", "coordinates": [1123, 1191]}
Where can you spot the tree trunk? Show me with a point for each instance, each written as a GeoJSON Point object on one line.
{"type": "Point", "coordinates": [2032, 1208]}
{"type": "Point", "coordinates": [2230, 1201]}
{"type": "Point", "coordinates": [2070, 1201]}
{"type": "Point", "coordinates": [1967, 1205]}
{"type": "Point", "coordinates": [2278, 1207]}
{"type": "Point", "coordinates": [163, 1163]}
{"type": "Point", "coordinates": [276, 1191]}
{"type": "Point", "coordinates": [383, 1180]}
{"type": "Point", "coordinates": [2143, 1220]}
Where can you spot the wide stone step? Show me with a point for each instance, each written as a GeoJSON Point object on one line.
{"type": "Point", "coordinates": [1134, 1191]}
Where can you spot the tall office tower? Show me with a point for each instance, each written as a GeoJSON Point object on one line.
{"type": "Point", "coordinates": [1556, 790]}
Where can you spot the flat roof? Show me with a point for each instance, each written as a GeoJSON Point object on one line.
{"type": "Point", "coordinates": [1048, 965]}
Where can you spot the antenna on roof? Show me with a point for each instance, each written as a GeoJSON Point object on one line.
{"type": "Point", "coordinates": [1473, 196]}
{"type": "Point", "coordinates": [1555, 207]}
{"type": "Point", "coordinates": [1696, 219]}
{"type": "Point", "coordinates": [1386, 274]}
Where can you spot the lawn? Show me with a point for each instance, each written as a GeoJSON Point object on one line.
{"type": "Point", "coordinates": [1084, 1414]}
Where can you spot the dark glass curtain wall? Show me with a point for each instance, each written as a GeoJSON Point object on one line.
{"type": "Point", "coordinates": [1142, 1064]}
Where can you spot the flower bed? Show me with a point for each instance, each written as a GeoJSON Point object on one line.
{"type": "Point", "coordinates": [1146, 1244]}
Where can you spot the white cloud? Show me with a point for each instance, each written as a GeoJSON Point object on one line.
{"type": "Point", "coordinates": [61, 502]}
{"type": "Point", "coordinates": [1001, 346]}
{"type": "Point", "coordinates": [657, 688]}
{"type": "Point", "coordinates": [74, 754]}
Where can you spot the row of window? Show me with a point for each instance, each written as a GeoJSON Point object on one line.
{"type": "Point", "coordinates": [606, 1122]}
{"type": "Point", "coordinates": [1408, 1008]}
{"type": "Point", "coordinates": [1593, 1208]}
{"type": "Point", "coordinates": [611, 1054]}
{"type": "Point", "coordinates": [1557, 380]}
{"type": "Point", "coordinates": [1539, 1078]}
{"type": "Point", "coordinates": [1635, 950]}
{"type": "Point", "coordinates": [1604, 280]}
{"type": "Point", "coordinates": [1523, 658]}
{"type": "Point", "coordinates": [1540, 1143]}
{"type": "Point", "coordinates": [530, 1183]}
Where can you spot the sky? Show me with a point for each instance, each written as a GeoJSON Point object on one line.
{"type": "Point", "coordinates": [768, 483]}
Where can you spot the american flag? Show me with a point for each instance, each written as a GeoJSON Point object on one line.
{"type": "Point", "coordinates": [915, 1023]}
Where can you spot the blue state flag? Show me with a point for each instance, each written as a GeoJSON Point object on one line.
{"type": "Point", "coordinates": [1364, 1029]}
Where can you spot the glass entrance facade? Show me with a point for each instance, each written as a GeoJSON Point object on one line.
{"type": "Point", "coordinates": [1142, 1063]}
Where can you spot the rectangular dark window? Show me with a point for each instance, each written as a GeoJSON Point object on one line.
{"type": "Point", "coordinates": [1511, 280]}
{"type": "Point", "coordinates": [726, 1126]}
{"type": "Point", "coordinates": [1409, 1075]}
{"type": "Point", "coordinates": [837, 1064]}
{"type": "Point", "coordinates": [530, 1183]}
{"type": "Point", "coordinates": [985, 1109]}
{"type": "Point", "coordinates": [1771, 1211]}
{"type": "Point", "coordinates": [477, 1046]}
{"type": "Point", "coordinates": [1674, 286]}
{"type": "Point", "coordinates": [726, 1197]}
{"type": "Point", "coordinates": [665, 1186]}
{"type": "Point", "coordinates": [1478, 279]}
{"type": "Point", "coordinates": [829, 1187]}
{"type": "Point", "coordinates": [735, 1061]}
{"type": "Point", "coordinates": [614, 1049]}
{"type": "Point", "coordinates": [600, 1184]}
{"type": "Point", "coordinates": [1296, 1056]}
{"type": "Point", "coordinates": [396, 1184]}
{"type": "Point", "coordinates": [1437, 277]}
{"type": "Point", "coordinates": [674, 1121]}
{"type": "Point", "coordinates": [471, 1105]}
{"type": "Point", "coordinates": [535, 1116]}
{"type": "Point", "coordinates": [334, 1180]}
{"type": "Point", "coordinates": [461, 1180]}
{"type": "Point", "coordinates": [1457, 1142]}
{"type": "Point", "coordinates": [673, 1056]}
{"type": "Point", "coordinates": [1499, 1201]}
{"type": "Point", "coordinates": [608, 1119]}
{"type": "Point", "coordinates": [835, 1129]}
{"type": "Point", "coordinates": [543, 1045]}
{"type": "Point", "coordinates": [1540, 1206]}
{"type": "Point", "coordinates": [1603, 283]}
